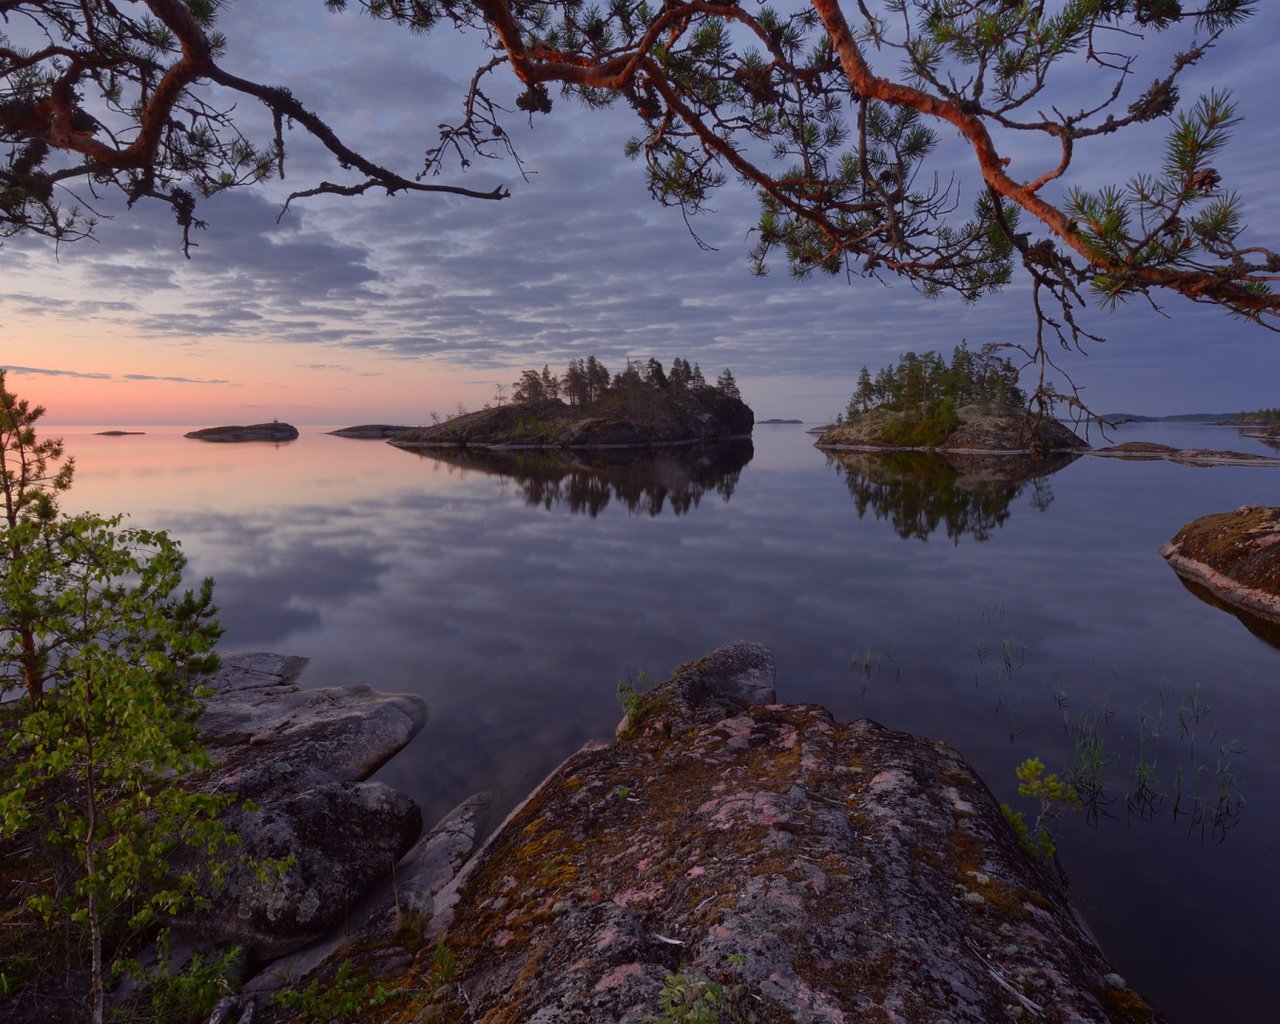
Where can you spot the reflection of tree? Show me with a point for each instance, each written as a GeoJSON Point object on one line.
{"type": "Point", "coordinates": [645, 480]}
{"type": "Point", "coordinates": [918, 492]}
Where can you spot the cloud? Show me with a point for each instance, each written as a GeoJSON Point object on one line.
{"type": "Point", "coordinates": [177, 380]}
{"type": "Point", "coordinates": [44, 372]}
{"type": "Point", "coordinates": [581, 260]}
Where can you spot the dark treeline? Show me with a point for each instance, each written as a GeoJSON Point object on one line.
{"type": "Point", "coordinates": [587, 381]}
{"type": "Point", "coordinates": [927, 385]}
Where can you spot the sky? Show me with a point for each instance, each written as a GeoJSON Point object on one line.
{"type": "Point", "coordinates": [377, 309]}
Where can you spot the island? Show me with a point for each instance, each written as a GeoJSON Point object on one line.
{"type": "Point", "coordinates": [642, 406]}
{"type": "Point", "coordinates": [120, 433]}
{"type": "Point", "coordinates": [777, 422]}
{"type": "Point", "coordinates": [273, 431]}
{"type": "Point", "coordinates": [970, 404]}
{"type": "Point", "coordinates": [372, 431]}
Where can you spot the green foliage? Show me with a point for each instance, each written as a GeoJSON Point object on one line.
{"type": "Point", "coordinates": [344, 997]}
{"type": "Point", "coordinates": [686, 999]}
{"type": "Point", "coordinates": [96, 765]}
{"type": "Point", "coordinates": [180, 995]}
{"type": "Point", "coordinates": [925, 392]}
{"type": "Point", "coordinates": [1054, 796]}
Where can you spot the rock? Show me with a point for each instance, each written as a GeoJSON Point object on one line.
{"type": "Point", "coordinates": [372, 430]}
{"type": "Point", "coordinates": [269, 737]}
{"type": "Point", "coordinates": [274, 431]}
{"type": "Point", "coordinates": [978, 430]}
{"type": "Point", "coordinates": [1235, 556]}
{"type": "Point", "coordinates": [335, 840]}
{"type": "Point", "coordinates": [302, 757]}
{"type": "Point", "coordinates": [401, 901]}
{"type": "Point", "coordinates": [813, 870]}
{"type": "Point", "coordinates": [1140, 451]}
{"type": "Point", "coordinates": [650, 418]}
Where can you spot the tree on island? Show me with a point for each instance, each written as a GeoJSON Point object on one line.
{"type": "Point", "coordinates": [586, 382]}
{"type": "Point", "coordinates": [924, 393]}
{"type": "Point", "coordinates": [830, 114]}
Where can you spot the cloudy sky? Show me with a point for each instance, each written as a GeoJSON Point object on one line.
{"type": "Point", "coordinates": [378, 309]}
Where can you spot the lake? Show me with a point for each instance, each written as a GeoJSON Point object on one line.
{"type": "Point", "coordinates": [1011, 618]}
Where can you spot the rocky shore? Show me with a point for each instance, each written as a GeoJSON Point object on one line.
{"type": "Point", "coordinates": [725, 858]}
{"type": "Point", "coordinates": [1232, 559]}
{"type": "Point", "coordinates": [725, 855]}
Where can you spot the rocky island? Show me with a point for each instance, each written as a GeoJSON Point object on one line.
{"type": "Point", "coordinates": [274, 431]}
{"type": "Point", "coordinates": [643, 406]}
{"type": "Point", "coordinates": [971, 404]}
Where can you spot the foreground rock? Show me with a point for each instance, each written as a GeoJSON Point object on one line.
{"type": "Point", "coordinates": [977, 429]}
{"type": "Point", "coordinates": [1235, 557]}
{"type": "Point", "coordinates": [757, 862]}
{"type": "Point", "coordinates": [617, 421]}
{"type": "Point", "coordinates": [302, 757]}
{"type": "Point", "coordinates": [1149, 451]}
{"type": "Point", "coordinates": [372, 431]}
{"type": "Point", "coordinates": [255, 432]}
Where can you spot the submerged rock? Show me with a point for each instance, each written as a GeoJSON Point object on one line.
{"type": "Point", "coordinates": [755, 862]}
{"type": "Point", "coordinates": [274, 431]}
{"type": "Point", "coordinates": [1235, 556]}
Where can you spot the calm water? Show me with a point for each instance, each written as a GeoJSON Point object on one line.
{"type": "Point", "coordinates": [1018, 617]}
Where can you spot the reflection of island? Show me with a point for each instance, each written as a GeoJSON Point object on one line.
{"type": "Point", "coordinates": [918, 492]}
{"type": "Point", "coordinates": [586, 481]}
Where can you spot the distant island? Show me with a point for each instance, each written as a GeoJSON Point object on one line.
{"type": "Point", "coordinates": [771, 423]}
{"type": "Point", "coordinates": [971, 403]}
{"type": "Point", "coordinates": [642, 406]}
{"type": "Point", "coordinates": [380, 431]}
{"type": "Point", "coordinates": [119, 433]}
{"type": "Point", "coordinates": [274, 431]}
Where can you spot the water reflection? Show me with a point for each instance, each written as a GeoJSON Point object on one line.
{"type": "Point", "coordinates": [1267, 630]}
{"type": "Point", "coordinates": [918, 492]}
{"type": "Point", "coordinates": [584, 482]}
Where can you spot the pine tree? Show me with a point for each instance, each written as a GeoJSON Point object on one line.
{"type": "Point", "coordinates": [727, 385]}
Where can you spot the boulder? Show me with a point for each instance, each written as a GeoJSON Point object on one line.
{"type": "Point", "coordinates": [300, 757]}
{"type": "Point", "coordinates": [303, 861]}
{"type": "Point", "coordinates": [1235, 556]}
{"type": "Point", "coordinates": [744, 861]}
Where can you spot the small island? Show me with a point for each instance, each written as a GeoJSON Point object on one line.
{"type": "Point", "coordinates": [971, 404]}
{"type": "Point", "coordinates": [642, 406]}
{"type": "Point", "coordinates": [120, 433]}
{"type": "Point", "coordinates": [273, 431]}
{"type": "Point", "coordinates": [777, 422]}
{"type": "Point", "coordinates": [372, 431]}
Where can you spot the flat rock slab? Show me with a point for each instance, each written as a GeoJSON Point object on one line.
{"type": "Point", "coordinates": [268, 736]}
{"type": "Point", "coordinates": [1235, 556]}
{"type": "Point", "coordinates": [253, 432]}
{"type": "Point", "coordinates": [373, 431]}
{"type": "Point", "coordinates": [1149, 451]}
{"type": "Point", "coordinates": [761, 863]}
